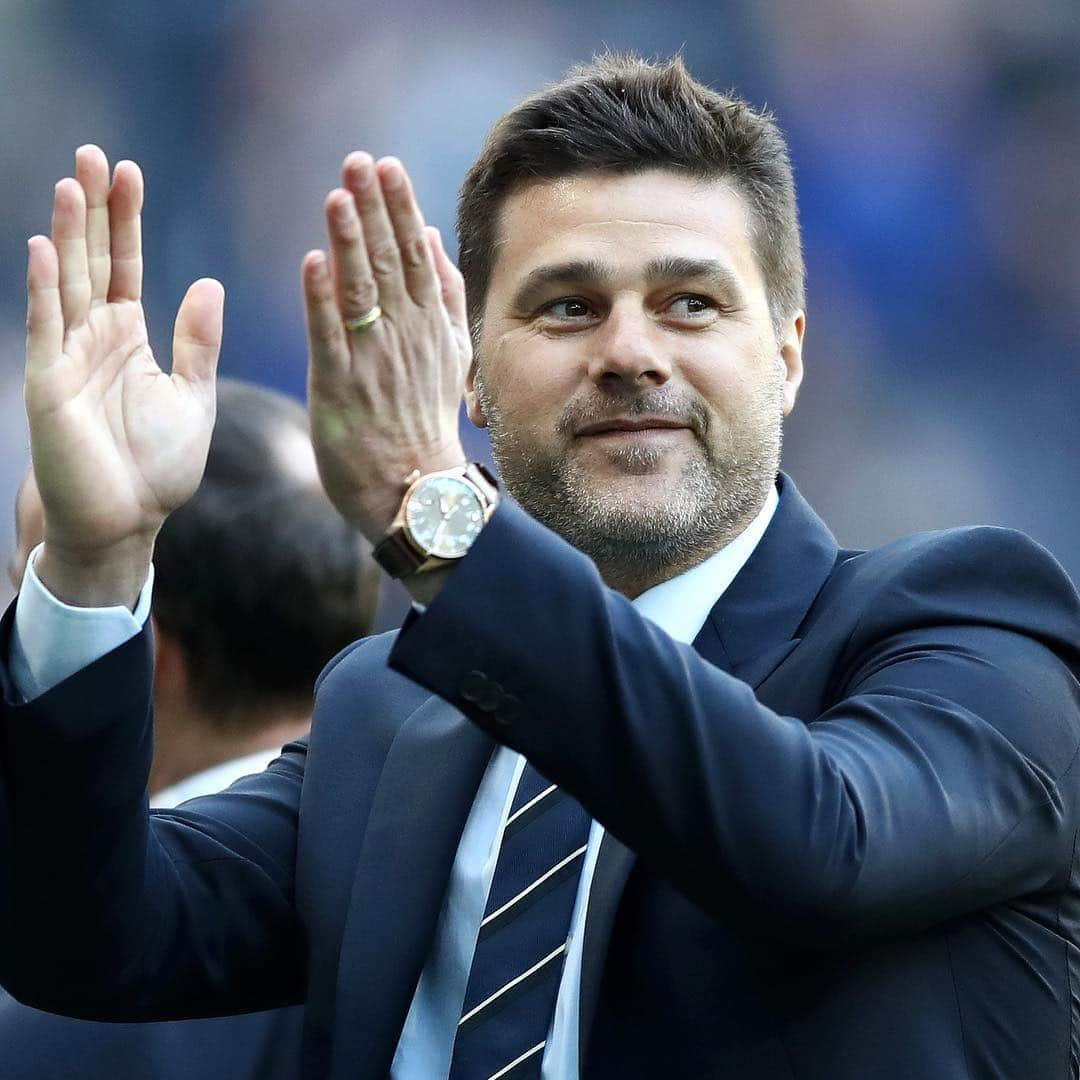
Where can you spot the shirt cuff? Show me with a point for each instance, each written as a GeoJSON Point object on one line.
{"type": "Point", "coordinates": [52, 640]}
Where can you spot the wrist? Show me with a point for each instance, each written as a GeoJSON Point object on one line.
{"type": "Point", "coordinates": [373, 513]}
{"type": "Point", "coordinates": [107, 577]}
{"type": "Point", "coordinates": [439, 517]}
{"type": "Point", "coordinates": [424, 587]}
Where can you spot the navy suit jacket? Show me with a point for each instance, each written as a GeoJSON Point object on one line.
{"type": "Point", "coordinates": [842, 827]}
{"type": "Point", "coordinates": [36, 1045]}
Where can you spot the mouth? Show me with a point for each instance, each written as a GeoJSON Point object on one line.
{"type": "Point", "coordinates": [626, 426]}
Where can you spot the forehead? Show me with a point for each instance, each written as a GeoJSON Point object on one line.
{"type": "Point", "coordinates": [625, 220]}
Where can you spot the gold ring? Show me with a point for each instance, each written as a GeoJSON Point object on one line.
{"type": "Point", "coordinates": [362, 322]}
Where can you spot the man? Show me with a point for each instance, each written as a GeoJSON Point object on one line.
{"type": "Point", "coordinates": [258, 583]}
{"type": "Point", "coordinates": [832, 837]}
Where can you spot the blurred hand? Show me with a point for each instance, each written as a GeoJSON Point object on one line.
{"type": "Point", "coordinates": [384, 400]}
{"type": "Point", "coordinates": [116, 443]}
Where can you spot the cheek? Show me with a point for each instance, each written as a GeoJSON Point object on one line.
{"type": "Point", "coordinates": [731, 381]}
{"type": "Point", "coordinates": [719, 378]}
{"type": "Point", "coordinates": [528, 382]}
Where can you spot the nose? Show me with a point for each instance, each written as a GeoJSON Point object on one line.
{"type": "Point", "coordinates": [626, 350]}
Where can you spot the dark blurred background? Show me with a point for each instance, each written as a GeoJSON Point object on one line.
{"type": "Point", "coordinates": [936, 146]}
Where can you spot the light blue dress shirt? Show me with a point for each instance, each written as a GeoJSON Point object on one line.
{"type": "Point", "coordinates": [52, 641]}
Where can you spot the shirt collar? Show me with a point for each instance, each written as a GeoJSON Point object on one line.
{"type": "Point", "coordinates": [681, 605]}
{"type": "Point", "coordinates": [216, 778]}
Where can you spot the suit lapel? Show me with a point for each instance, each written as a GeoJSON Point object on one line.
{"type": "Point", "coordinates": [613, 865]}
{"type": "Point", "coordinates": [409, 845]}
{"type": "Point", "coordinates": [755, 624]}
{"type": "Point", "coordinates": [748, 633]}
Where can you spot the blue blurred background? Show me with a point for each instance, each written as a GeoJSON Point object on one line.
{"type": "Point", "coordinates": [936, 147]}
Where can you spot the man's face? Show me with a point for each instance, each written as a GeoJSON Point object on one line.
{"type": "Point", "coordinates": [29, 528]}
{"type": "Point", "coordinates": [629, 371]}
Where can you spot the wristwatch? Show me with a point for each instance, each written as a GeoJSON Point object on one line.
{"type": "Point", "coordinates": [440, 516]}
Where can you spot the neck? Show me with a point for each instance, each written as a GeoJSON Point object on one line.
{"type": "Point", "coordinates": [187, 743]}
{"type": "Point", "coordinates": [637, 575]}
{"type": "Point", "coordinates": [635, 578]}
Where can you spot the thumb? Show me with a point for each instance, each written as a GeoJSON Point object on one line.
{"type": "Point", "coordinates": [451, 282]}
{"type": "Point", "coordinates": [197, 334]}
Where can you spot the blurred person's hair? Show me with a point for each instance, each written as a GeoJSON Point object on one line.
{"type": "Point", "coordinates": [258, 578]}
{"type": "Point", "coordinates": [622, 114]}
{"type": "Point", "coordinates": [255, 434]}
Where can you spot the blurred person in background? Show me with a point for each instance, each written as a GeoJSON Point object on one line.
{"type": "Point", "coordinates": [656, 778]}
{"type": "Point", "coordinates": [258, 583]}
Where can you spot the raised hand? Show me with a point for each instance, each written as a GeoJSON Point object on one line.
{"type": "Point", "coordinates": [384, 395]}
{"type": "Point", "coordinates": [116, 443]}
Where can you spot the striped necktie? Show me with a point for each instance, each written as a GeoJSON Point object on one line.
{"type": "Point", "coordinates": [517, 966]}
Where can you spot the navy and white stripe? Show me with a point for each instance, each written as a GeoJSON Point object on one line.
{"type": "Point", "coordinates": [521, 946]}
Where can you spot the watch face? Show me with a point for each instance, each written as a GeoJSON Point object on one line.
{"type": "Point", "coordinates": [444, 515]}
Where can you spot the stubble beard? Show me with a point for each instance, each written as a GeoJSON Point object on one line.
{"type": "Point", "coordinates": [722, 486]}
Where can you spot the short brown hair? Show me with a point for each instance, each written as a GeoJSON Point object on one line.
{"type": "Point", "coordinates": [621, 113]}
{"type": "Point", "coordinates": [257, 577]}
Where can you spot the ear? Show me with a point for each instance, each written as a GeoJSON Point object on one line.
{"type": "Point", "coordinates": [791, 343]}
{"type": "Point", "coordinates": [170, 665]}
{"type": "Point", "coordinates": [472, 398]}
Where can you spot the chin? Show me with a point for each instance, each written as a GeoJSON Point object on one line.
{"type": "Point", "coordinates": [664, 464]}
{"type": "Point", "coordinates": [634, 494]}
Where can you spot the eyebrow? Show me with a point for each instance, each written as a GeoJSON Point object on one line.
{"type": "Point", "coordinates": [577, 272]}
{"type": "Point", "coordinates": [685, 268]}
{"type": "Point", "coordinates": [592, 272]}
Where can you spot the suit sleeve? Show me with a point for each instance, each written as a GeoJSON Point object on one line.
{"type": "Point", "coordinates": [110, 912]}
{"type": "Point", "coordinates": [51, 640]}
{"type": "Point", "coordinates": [938, 778]}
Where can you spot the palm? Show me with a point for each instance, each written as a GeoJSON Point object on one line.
{"type": "Point", "coordinates": [128, 441]}
{"type": "Point", "coordinates": [117, 444]}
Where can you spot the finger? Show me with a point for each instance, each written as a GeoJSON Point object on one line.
{"type": "Point", "coordinates": [407, 221]}
{"type": "Point", "coordinates": [125, 232]}
{"type": "Point", "coordinates": [360, 179]}
{"type": "Point", "coordinates": [92, 172]}
{"type": "Point", "coordinates": [197, 335]}
{"type": "Point", "coordinates": [354, 283]}
{"type": "Point", "coordinates": [451, 283]}
{"type": "Point", "coordinates": [69, 239]}
{"type": "Point", "coordinates": [327, 344]}
{"type": "Point", "coordinates": [44, 314]}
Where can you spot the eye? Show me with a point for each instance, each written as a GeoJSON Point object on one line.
{"type": "Point", "coordinates": [570, 308]}
{"type": "Point", "coordinates": [692, 307]}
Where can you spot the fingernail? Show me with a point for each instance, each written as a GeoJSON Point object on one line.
{"type": "Point", "coordinates": [360, 167]}
{"type": "Point", "coordinates": [393, 176]}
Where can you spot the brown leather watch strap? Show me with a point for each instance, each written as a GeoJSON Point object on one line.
{"type": "Point", "coordinates": [396, 555]}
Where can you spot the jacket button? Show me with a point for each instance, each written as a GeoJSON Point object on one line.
{"type": "Point", "coordinates": [473, 686]}
{"type": "Point", "coordinates": [484, 693]}
{"type": "Point", "coordinates": [508, 710]}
